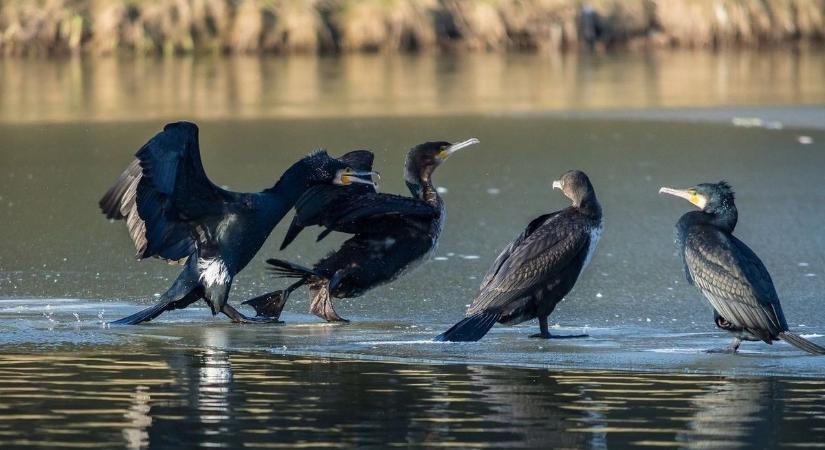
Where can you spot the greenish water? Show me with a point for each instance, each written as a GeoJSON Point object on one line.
{"type": "Point", "coordinates": [68, 128]}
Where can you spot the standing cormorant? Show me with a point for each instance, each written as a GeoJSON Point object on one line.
{"type": "Point", "coordinates": [176, 214]}
{"type": "Point", "coordinates": [391, 233]}
{"type": "Point", "coordinates": [534, 273]}
{"type": "Point", "coordinates": [727, 272]}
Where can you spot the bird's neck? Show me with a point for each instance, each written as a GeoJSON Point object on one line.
{"type": "Point", "coordinates": [722, 217]}
{"type": "Point", "coordinates": [279, 199]}
{"type": "Point", "coordinates": [590, 206]}
{"type": "Point", "coordinates": [423, 189]}
{"type": "Point", "coordinates": [724, 221]}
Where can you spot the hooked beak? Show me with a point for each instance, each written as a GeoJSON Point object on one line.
{"type": "Point", "coordinates": [346, 177]}
{"type": "Point", "coordinates": [447, 152]}
{"type": "Point", "coordinates": [694, 198]}
{"type": "Point", "coordinates": [557, 184]}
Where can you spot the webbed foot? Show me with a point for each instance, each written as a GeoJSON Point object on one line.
{"type": "Point", "coordinates": [321, 304]}
{"type": "Point", "coordinates": [557, 336]}
{"type": "Point", "coordinates": [236, 316]}
{"type": "Point", "coordinates": [269, 305]}
{"type": "Point", "coordinates": [726, 350]}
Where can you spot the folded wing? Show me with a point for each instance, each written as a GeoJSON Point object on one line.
{"type": "Point", "coordinates": [542, 255]}
{"type": "Point", "coordinates": [735, 282]}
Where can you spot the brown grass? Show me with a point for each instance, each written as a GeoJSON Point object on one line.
{"type": "Point", "coordinates": [47, 27]}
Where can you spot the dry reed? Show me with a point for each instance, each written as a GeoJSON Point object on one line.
{"type": "Point", "coordinates": [48, 27]}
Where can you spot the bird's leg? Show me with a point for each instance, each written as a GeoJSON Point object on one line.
{"type": "Point", "coordinates": [321, 303]}
{"type": "Point", "coordinates": [235, 316]}
{"type": "Point", "coordinates": [732, 348]}
{"type": "Point", "coordinates": [545, 332]}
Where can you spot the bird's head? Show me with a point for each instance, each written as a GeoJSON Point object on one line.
{"type": "Point", "coordinates": [575, 185]}
{"type": "Point", "coordinates": [320, 168]}
{"type": "Point", "coordinates": [715, 198]}
{"type": "Point", "coordinates": [424, 158]}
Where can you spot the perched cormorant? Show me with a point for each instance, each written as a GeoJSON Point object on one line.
{"type": "Point", "coordinates": [534, 273]}
{"type": "Point", "coordinates": [391, 233]}
{"type": "Point", "coordinates": [727, 272]}
{"type": "Point", "coordinates": [176, 214]}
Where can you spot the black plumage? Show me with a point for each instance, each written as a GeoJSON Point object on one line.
{"type": "Point", "coordinates": [534, 273]}
{"type": "Point", "coordinates": [391, 233]}
{"type": "Point", "coordinates": [727, 272]}
{"type": "Point", "coordinates": [175, 213]}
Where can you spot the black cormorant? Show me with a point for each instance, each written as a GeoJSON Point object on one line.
{"type": "Point", "coordinates": [728, 272]}
{"type": "Point", "coordinates": [534, 273]}
{"type": "Point", "coordinates": [391, 233]}
{"type": "Point", "coordinates": [176, 214]}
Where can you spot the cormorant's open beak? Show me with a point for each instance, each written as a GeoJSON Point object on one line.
{"type": "Point", "coordinates": [557, 184]}
{"type": "Point", "coordinates": [348, 176]}
{"type": "Point", "coordinates": [688, 194]}
{"type": "Point", "coordinates": [444, 154]}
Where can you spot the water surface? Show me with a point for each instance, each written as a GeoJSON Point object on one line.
{"type": "Point", "coordinates": [68, 128]}
{"type": "Point", "coordinates": [201, 393]}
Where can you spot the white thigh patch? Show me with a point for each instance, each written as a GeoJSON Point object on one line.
{"type": "Point", "coordinates": [595, 235]}
{"type": "Point", "coordinates": [212, 272]}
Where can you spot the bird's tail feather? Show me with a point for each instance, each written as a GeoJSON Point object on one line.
{"type": "Point", "coordinates": [801, 343]}
{"type": "Point", "coordinates": [143, 315]}
{"type": "Point", "coordinates": [286, 269]}
{"type": "Point", "coordinates": [470, 329]}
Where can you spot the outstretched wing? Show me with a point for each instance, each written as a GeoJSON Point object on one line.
{"type": "Point", "coordinates": [377, 213]}
{"type": "Point", "coordinates": [735, 281]}
{"type": "Point", "coordinates": [544, 254]}
{"type": "Point", "coordinates": [317, 206]}
{"type": "Point", "coordinates": [162, 191]}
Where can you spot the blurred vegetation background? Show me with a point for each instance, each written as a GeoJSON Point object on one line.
{"type": "Point", "coordinates": [56, 27]}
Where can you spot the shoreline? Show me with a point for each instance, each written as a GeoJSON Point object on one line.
{"type": "Point", "coordinates": [804, 116]}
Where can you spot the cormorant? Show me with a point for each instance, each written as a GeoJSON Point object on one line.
{"type": "Point", "coordinates": [534, 273]}
{"type": "Point", "coordinates": [391, 233]}
{"type": "Point", "coordinates": [727, 272]}
{"type": "Point", "coordinates": [176, 214]}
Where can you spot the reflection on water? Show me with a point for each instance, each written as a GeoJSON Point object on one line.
{"type": "Point", "coordinates": [730, 411]}
{"type": "Point", "coordinates": [251, 87]}
{"type": "Point", "coordinates": [209, 397]}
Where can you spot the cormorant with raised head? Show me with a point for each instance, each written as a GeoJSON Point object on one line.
{"type": "Point", "coordinates": [534, 273]}
{"type": "Point", "coordinates": [391, 232]}
{"type": "Point", "coordinates": [176, 214]}
{"type": "Point", "coordinates": [727, 272]}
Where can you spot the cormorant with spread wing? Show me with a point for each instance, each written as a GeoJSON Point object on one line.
{"type": "Point", "coordinates": [176, 214]}
{"type": "Point", "coordinates": [391, 232]}
{"type": "Point", "coordinates": [727, 272]}
{"type": "Point", "coordinates": [534, 273]}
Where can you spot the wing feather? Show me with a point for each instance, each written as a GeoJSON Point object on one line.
{"type": "Point", "coordinates": [536, 258]}
{"type": "Point", "coordinates": [319, 205]}
{"type": "Point", "coordinates": [161, 191]}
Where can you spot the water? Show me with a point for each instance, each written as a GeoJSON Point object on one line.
{"type": "Point", "coordinates": [187, 377]}
{"type": "Point", "coordinates": [208, 396]}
